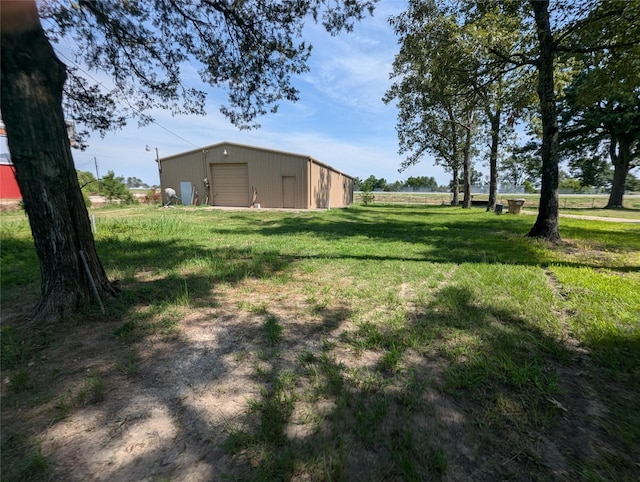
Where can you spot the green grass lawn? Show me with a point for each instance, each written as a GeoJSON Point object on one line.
{"type": "Point", "coordinates": [582, 204]}
{"type": "Point", "coordinates": [410, 342]}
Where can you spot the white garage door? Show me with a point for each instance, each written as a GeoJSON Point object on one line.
{"type": "Point", "coordinates": [230, 184]}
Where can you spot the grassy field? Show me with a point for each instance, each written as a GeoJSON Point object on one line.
{"type": "Point", "coordinates": [382, 342]}
{"type": "Point", "coordinates": [581, 204]}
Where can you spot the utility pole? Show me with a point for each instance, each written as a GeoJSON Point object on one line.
{"type": "Point", "coordinates": [148, 148]}
{"type": "Point", "coordinates": [95, 161]}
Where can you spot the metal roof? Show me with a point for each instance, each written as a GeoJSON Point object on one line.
{"type": "Point", "coordinates": [245, 146]}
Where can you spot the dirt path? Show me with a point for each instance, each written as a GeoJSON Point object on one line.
{"type": "Point", "coordinates": [592, 218]}
{"type": "Point", "coordinates": [162, 409]}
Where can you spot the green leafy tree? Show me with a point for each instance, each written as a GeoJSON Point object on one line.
{"type": "Point", "coordinates": [523, 165]}
{"type": "Point", "coordinates": [366, 187]}
{"type": "Point", "coordinates": [422, 182]}
{"type": "Point", "coordinates": [449, 47]}
{"type": "Point", "coordinates": [88, 185]}
{"type": "Point", "coordinates": [493, 31]}
{"type": "Point", "coordinates": [113, 187]}
{"type": "Point", "coordinates": [600, 112]}
{"type": "Point", "coordinates": [251, 48]}
{"type": "Point", "coordinates": [632, 183]}
{"type": "Point", "coordinates": [582, 27]}
{"type": "Point", "coordinates": [434, 116]}
{"type": "Point", "coordinates": [571, 184]}
{"type": "Point", "coordinates": [513, 170]}
{"type": "Point", "coordinates": [529, 187]}
{"type": "Point", "coordinates": [88, 182]}
{"type": "Point", "coordinates": [562, 31]}
{"type": "Point", "coordinates": [134, 182]}
{"type": "Point", "coordinates": [394, 186]}
{"type": "Point", "coordinates": [367, 184]}
{"type": "Point", "coordinates": [431, 183]}
{"type": "Point", "coordinates": [476, 177]}
{"type": "Point", "coordinates": [373, 183]}
{"type": "Point", "coordinates": [592, 170]}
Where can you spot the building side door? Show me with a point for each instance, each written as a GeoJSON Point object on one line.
{"type": "Point", "coordinates": [230, 184]}
{"type": "Point", "coordinates": [288, 191]}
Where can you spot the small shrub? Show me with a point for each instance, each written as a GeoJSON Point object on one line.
{"type": "Point", "coordinates": [367, 197]}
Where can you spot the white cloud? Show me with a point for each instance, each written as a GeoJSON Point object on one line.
{"type": "Point", "coordinates": [353, 68]}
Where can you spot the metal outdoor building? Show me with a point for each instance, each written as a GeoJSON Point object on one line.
{"type": "Point", "coordinates": [228, 174]}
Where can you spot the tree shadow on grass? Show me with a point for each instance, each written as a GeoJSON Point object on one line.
{"type": "Point", "coordinates": [460, 390]}
{"type": "Point", "coordinates": [63, 372]}
{"type": "Point", "coordinates": [439, 235]}
{"type": "Point", "coordinates": [623, 238]}
{"type": "Point", "coordinates": [484, 410]}
{"type": "Point", "coordinates": [486, 396]}
{"type": "Point", "coordinates": [473, 393]}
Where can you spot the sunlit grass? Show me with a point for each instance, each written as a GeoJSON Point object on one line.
{"type": "Point", "coordinates": [367, 318]}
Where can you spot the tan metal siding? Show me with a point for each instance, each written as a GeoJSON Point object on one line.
{"type": "Point", "coordinates": [340, 190]}
{"type": "Point", "coordinates": [230, 185]}
{"type": "Point", "coordinates": [347, 193]}
{"type": "Point", "coordinates": [266, 173]}
{"type": "Point", "coordinates": [190, 167]}
{"type": "Point", "coordinates": [288, 192]}
{"type": "Point", "coordinates": [320, 186]}
{"type": "Point", "coordinates": [265, 170]}
{"type": "Point", "coordinates": [329, 188]}
{"type": "Point", "coordinates": [315, 185]}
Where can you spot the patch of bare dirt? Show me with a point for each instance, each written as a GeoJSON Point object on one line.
{"type": "Point", "coordinates": [168, 403]}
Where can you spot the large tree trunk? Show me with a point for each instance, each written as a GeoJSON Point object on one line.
{"type": "Point", "coordinates": [493, 159]}
{"type": "Point", "coordinates": [454, 160]}
{"type": "Point", "coordinates": [32, 82]}
{"type": "Point", "coordinates": [455, 181]}
{"type": "Point", "coordinates": [546, 225]}
{"type": "Point", "coordinates": [466, 165]}
{"type": "Point", "coordinates": [621, 161]}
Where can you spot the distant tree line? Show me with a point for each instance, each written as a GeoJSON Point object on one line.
{"type": "Point", "coordinates": [135, 183]}
{"type": "Point", "coordinates": [110, 186]}
{"type": "Point", "coordinates": [415, 183]}
{"type": "Point", "coordinates": [372, 183]}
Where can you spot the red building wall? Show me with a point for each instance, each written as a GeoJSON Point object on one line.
{"type": "Point", "coordinates": [8, 185]}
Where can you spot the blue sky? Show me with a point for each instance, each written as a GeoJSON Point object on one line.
{"type": "Point", "coordinates": [340, 118]}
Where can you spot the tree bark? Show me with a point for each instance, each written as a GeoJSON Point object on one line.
{"type": "Point", "coordinates": [493, 159]}
{"type": "Point", "coordinates": [546, 225]}
{"type": "Point", "coordinates": [31, 89]}
{"type": "Point", "coordinates": [621, 161]}
{"type": "Point", "coordinates": [455, 181]}
{"type": "Point", "coordinates": [466, 164]}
